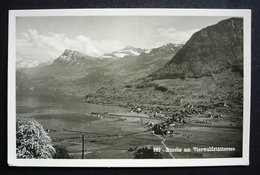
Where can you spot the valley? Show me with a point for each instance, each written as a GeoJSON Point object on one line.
{"type": "Point", "coordinates": [111, 131]}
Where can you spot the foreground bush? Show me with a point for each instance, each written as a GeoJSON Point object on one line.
{"type": "Point", "coordinates": [31, 140]}
{"type": "Point", "coordinates": [61, 152]}
{"type": "Point", "coordinates": [147, 153]}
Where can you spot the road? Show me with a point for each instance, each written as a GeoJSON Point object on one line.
{"type": "Point", "coordinates": [163, 140]}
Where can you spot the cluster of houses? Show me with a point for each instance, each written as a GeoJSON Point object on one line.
{"type": "Point", "coordinates": [151, 111]}
{"type": "Point", "coordinates": [165, 129]}
{"type": "Point", "coordinates": [186, 111]}
{"type": "Point", "coordinates": [180, 117]}
{"type": "Point", "coordinates": [148, 109]}
{"type": "Point", "coordinates": [178, 121]}
{"type": "Point", "coordinates": [201, 121]}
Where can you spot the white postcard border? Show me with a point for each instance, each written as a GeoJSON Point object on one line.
{"type": "Point", "coordinates": [13, 161]}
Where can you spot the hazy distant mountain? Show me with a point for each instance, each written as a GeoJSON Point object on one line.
{"type": "Point", "coordinates": [167, 48]}
{"type": "Point", "coordinates": [31, 67]}
{"type": "Point", "coordinates": [27, 63]}
{"type": "Point", "coordinates": [157, 57]}
{"type": "Point", "coordinates": [127, 51]}
{"type": "Point", "coordinates": [211, 50]}
{"type": "Point", "coordinates": [148, 61]}
{"type": "Point", "coordinates": [132, 68]}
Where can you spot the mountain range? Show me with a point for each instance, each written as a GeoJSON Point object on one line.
{"type": "Point", "coordinates": [130, 68]}
{"type": "Point", "coordinates": [118, 67]}
{"type": "Point", "coordinates": [212, 58]}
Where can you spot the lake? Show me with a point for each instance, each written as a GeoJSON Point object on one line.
{"type": "Point", "coordinates": [32, 104]}
{"type": "Point", "coordinates": [59, 113]}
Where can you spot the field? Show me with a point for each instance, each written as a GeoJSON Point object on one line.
{"type": "Point", "coordinates": [110, 136]}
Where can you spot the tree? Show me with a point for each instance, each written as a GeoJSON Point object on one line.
{"type": "Point", "coordinates": [61, 152]}
{"type": "Point", "coordinates": [31, 140]}
{"type": "Point", "coordinates": [157, 129]}
{"type": "Point", "coordinates": [147, 153]}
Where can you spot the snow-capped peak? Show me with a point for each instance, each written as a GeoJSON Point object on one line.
{"type": "Point", "coordinates": [66, 56]}
{"type": "Point", "coordinates": [27, 63]}
{"type": "Point", "coordinates": [129, 48]}
{"type": "Point", "coordinates": [127, 51]}
{"type": "Point", "coordinates": [69, 56]}
{"type": "Point", "coordinates": [148, 51]}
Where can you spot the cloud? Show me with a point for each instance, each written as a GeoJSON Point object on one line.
{"type": "Point", "coordinates": [55, 44]}
{"type": "Point", "coordinates": [49, 45]}
{"type": "Point", "coordinates": [174, 35]}
{"type": "Point", "coordinates": [27, 52]}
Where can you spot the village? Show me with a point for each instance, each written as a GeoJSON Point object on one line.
{"type": "Point", "coordinates": [169, 118]}
{"type": "Point", "coordinates": [145, 125]}
{"type": "Point", "coordinates": [199, 115]}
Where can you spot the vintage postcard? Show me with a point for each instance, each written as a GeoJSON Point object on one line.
{"type": "Point", "coordinates": [129, 87]}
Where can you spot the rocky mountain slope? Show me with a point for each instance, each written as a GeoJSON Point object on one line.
{"type": "Point", "coordinates": [209, 51]}
{"type": "Point", "coordinates": [72, 64]}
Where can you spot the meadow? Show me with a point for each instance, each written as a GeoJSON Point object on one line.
{"type": "Point", "coordinates": [110, 136]}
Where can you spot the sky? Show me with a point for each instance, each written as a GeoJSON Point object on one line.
{"type": "Point", "coordinates": [46, 38]}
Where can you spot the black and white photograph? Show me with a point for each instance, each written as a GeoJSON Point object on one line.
{"type": "Point", "coordinates": [129, 87]}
